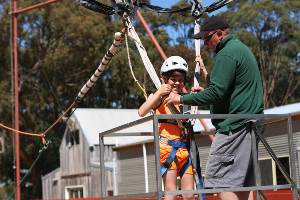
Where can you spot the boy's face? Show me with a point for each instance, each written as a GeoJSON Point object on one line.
{"type": "Point", "coordinates": [176, 80]}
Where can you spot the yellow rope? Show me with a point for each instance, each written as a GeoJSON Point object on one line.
{"type": "Point", "coordinates": [142, 88]}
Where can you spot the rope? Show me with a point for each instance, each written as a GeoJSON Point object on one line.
{"type": "Point", "coordinates": [194, 109]}
{"type": "Point", "coordinates": [44, 148]}
{"type": "Point", "coordinates": [20, 132]}
{"type": "Point", "coordinates": [59, 118]}
{"type": "Point", "coordinates": [142, 88]}
{"type": "Point", "coordinates": [199, 65]}
{"type": "Point", "coordinates": [143, 53]}
{"type": "Point", "coordinates": [41, 135]}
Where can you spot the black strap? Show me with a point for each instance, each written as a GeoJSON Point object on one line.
{"type": "Point", "coordinates": [97, 7]}
{"type": "Point", "coordinates": [168, 121]}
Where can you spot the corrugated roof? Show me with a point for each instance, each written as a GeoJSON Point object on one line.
{"type": "Point", "coordinates": [93, 121]}
{"type": "Point", "coordinates": [286, 109]}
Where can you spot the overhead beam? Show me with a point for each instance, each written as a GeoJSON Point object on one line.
{"type": "Point", "coordinates": [32, 7]}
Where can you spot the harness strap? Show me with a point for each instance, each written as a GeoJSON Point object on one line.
{"type": "Point", "coordinates": [176, 144]}
{"type": "Point", "coordinates": [185, 166]}
{"type": "Point", "coordinates": [168, 121]}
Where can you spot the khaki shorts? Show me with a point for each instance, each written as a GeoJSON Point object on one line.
{"type": "Point", "coordinates": [230, 162]}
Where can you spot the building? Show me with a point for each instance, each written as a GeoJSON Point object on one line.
{"type": "Point", "coordinates": [79, 174]}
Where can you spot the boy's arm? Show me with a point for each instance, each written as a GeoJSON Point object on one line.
{"type": "Point", "coordinates": [154, 100]}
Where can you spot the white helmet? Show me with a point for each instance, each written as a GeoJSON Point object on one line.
{"type": "Point", "coordinates": [174, 63]}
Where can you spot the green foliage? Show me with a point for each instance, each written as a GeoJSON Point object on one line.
{"type": "Point", "coordinates": [272, 30]}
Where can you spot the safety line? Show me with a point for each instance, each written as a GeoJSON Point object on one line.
{"type": "Point", "coordinates": [21, 132]}
{"type": "Point", "coordinates": [142, 88]}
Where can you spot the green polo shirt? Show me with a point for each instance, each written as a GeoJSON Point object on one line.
{"type": "Point", "coordinates": [235, 85]}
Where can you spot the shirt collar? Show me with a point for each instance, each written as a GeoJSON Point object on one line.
{"type": "Point", "coordinates": [223, 43]}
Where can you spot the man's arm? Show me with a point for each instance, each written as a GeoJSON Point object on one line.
{"type": "Point", "coordinates": [221, 80]}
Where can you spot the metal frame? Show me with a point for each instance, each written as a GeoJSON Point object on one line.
{"type": "Point", "coordinates": [15, 12]}
{"type": "Point", "coordinates": [258, 188]}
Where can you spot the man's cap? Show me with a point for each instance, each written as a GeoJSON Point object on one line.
{"type": "Point", "coordinates": [211, 24]}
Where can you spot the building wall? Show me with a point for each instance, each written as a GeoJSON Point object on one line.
{"type": "Point", "coordinates": [74, 158]}
{"type": "Point", "coordinates": [130, 173]}
{"type": "Point", "coordinates": [51, 185]}
{"type": "Point", "coordinates": [79, 166]}
{"type": "Point", "coordinates": [151, 167]}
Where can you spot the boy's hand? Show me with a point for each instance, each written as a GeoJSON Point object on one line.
{"type": "Point", "coordinates": [165, 89]}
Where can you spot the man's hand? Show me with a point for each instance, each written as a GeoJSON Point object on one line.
{"type": "Point", "coordinates": [172, 98]}
{"type": "Point", "coordinates": [199, 60]}
{"type": "Point", "coordinates": [203, 70]}
{"type": "Point", "coordinates": [197, 89]}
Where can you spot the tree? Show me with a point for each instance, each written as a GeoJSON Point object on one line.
{"type": "Point", "coordinates": [272, 30]}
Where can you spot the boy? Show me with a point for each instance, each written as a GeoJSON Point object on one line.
{"type": "Point", "coordinates": [174, 155]}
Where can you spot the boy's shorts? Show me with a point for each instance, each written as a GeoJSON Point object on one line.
{"type": "Point", "coordinates": [182, 156]}
{"type": "Point", "coordinates": [230, 162]}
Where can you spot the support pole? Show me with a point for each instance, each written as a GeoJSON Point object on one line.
{"type": "Point", "coordinates": [102, 167]}
{"type": "Point", "coordinates": [157, 157]}
{"type": "Point", "coordinates": [255, 163]}
{"type": "Point", "coordinates": [152, 37]}
{"type": "Point", "coordinates": [292, 156]}
{"type": "Point", "coordinates": [15, 81]}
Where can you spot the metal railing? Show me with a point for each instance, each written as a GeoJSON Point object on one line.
{"type": "Point", "coordinates": [258, 187]}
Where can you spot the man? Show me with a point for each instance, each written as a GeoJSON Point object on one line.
{"type": "Point", "coordinates": [235, 87]}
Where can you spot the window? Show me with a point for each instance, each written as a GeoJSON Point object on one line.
{"type": "Point", "coordinates": [54, 182]}
{"type": "Point", "coordinates": [271, 174]}
{"type": "Point", "coordinates": [72, 138]}
{"type": "Point", "coordinates": [110, 193]}
{"type": "Point", "coordinates": [266, 171]}
{"type": "Point", "coordinates": [74, 192]}
{"type": "Point", "coordinates": [281, 180]}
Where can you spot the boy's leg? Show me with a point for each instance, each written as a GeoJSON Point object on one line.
{"type": "Point", "coordinates": [170, 179]}
{"type": "Point", "coordinates": [187, 183]}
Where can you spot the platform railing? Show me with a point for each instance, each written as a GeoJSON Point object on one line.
{"type": "Point", "coordinates": [160, 193]}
